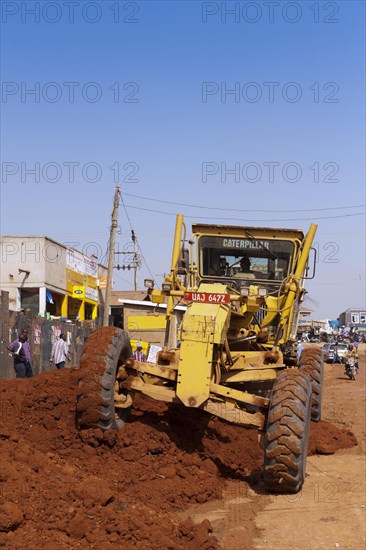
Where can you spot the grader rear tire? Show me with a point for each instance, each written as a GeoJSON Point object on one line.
{"type": "Point", "coordinates": [312, 363]}
{"type": "Point", "coordinates": [287, 432]}
{"type": "Point", "coordinates": [105, 349]}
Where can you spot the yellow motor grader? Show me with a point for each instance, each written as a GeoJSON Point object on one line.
{"type": "Point", "coordinates": [234, 353]}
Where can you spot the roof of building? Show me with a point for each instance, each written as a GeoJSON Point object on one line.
{"type": "Point", "coordinates": [52, 241]}
{"type": "Point", "coordinates": [128, 295]}
{"type": "Point", "coordinates": [354, 309]}
{"type": "Point", "coordinates": [304, 309]}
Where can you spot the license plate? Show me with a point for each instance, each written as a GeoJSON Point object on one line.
{"type": "Point", "coordinates": [209, 297]}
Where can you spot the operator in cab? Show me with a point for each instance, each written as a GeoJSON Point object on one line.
{"type": "Point", "coordinates": [245, 270]}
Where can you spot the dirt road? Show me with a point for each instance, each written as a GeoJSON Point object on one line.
{"type": "Point", "coordinates": [329, 512]}
{"type": "Point", "coordinates": [138, 489]}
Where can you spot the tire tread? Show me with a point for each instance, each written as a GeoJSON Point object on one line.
{"type": "Point", "coordinates": [287, 433]}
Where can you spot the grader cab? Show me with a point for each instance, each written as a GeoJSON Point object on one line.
{"type": "Point", "coordinates": [234, 355]}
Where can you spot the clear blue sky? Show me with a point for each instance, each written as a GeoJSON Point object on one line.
{"type": "Point", "coordinates": [157, 109]}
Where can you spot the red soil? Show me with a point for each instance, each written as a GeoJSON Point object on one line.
{"type": "Point", "coordinates": [105, 490]}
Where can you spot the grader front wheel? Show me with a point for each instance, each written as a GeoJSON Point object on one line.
{"type": "Point", "coordinates": [287, 432]}
{"type": "Point", "coordinates": [106, 349]}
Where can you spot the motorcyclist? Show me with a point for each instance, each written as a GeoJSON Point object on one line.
{"type": "Point", "coordinates": [351, 352]}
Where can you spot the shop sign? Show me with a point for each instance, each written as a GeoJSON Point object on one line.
{"type": "Point", "coordinates": [103, 281]}
{"type": "Point", "coordinates": [91, 293]}
{"type": "Point", "coordinates": [80, 263]}
{"type": "Point", "coordinates": [78, 292]}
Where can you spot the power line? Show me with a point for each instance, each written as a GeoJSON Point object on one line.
{"type": "Point", "coordinates": [249, 220]}
{"type": "Point", "coordinates": [145, 262]}
{"type": "Point", "coordinates": [117, 275]}
{"type": "Point", "coordinates": [139, 245]}
{"type": "Point", "coordinates": [237, 209]}
{"type": "Point", "coordinates": [123, 204]}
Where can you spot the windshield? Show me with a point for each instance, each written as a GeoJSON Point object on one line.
{"type": "Point", "coordinates": [245, 258]}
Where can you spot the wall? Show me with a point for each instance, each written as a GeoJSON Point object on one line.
{"type": "Point", "coordinates": [21, 253]}
{"type": "Point", "coordinates": [147, 323]}
{"type": "Point", "coordinates": [54, 255]}
{"type": "Point", "coordinates": [50, 265]}
{"type": "Point", "coordinates": [42, 334]}
{"type": "Point", "coordinates": [345, 318]}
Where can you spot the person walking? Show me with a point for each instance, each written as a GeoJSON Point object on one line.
{"type": "Point", "coordinates": [19, 357]}
{"type": "Point", "coordinates": [26, 350]}
{"type": "Point", "coordinates": [60, 352]}
{"type": "Point", "coordinates": [300, 347]}
{"type": "Point", "coordinates": [139, 355]}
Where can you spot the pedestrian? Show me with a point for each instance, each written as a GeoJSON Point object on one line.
{"type": "Point", "coordinates": [19, 358]}
{"type": "Point", "coordinates": [26, 350]}
{"type": "Point", "coordinates": [300, 347]}
{"type": "Point", "coordinates": [351, 352]}
{"type": "Point", "coordinates": [139, 355]}
{"type": "Point", "coordinates": [60, 352]}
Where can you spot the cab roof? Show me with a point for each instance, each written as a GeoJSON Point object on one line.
{"type": "Point", "coordinates": [247, 231]}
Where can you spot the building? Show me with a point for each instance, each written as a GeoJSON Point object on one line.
{"type": "Point", "coordinates": [353, 317]}
{"type": "Point", "coordinates": [142, 319]}
{"type": "Point", "coordinates": [305, 313]}
{"type": "Point", "coordinates": [50, 279]}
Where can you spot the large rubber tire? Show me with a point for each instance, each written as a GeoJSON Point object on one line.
{"type": "Point", "coordinates": [312, 363]}
{"type": "Point", "coordinates": [287, 432]}
{"type": "Point", "coordinates": [105, 349]}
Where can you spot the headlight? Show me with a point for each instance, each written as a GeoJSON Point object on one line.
{"type": "Point", "coordinates": [166, 287]}
{"type": "Point", "coordinates": [244, 291]}
{"type": "Point", "coordinates": [262, 292]}
{"type": "Point", "coordinates": [149, 283]}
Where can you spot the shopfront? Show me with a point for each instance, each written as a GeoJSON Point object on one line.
{"type": "Point", "coordinates": [54, 302]}
{"type": "Point", "coordinates": [82, 296]}
{"type": "Point", "coordinates": [48, 279]}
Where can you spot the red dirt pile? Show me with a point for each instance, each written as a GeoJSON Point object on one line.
{"type": "Point", "coordinates": [60, 490]}
{"type": "Point", "coordinates": [326, 439]}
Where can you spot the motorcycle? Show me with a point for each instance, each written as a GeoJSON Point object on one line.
{"type": "Point", "coordinates": [351, 368]}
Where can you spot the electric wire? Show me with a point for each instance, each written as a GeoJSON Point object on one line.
{"type": "Point", "coordinates": [139, 245]}
{"type": "Point", "coordinates": [124, 206]}
{"type": "Point", "coordinates": [117, 275]}
{"type": "Point", "coordinates": [240, 210]}
{"type": "Point", "coordinates": [248, 220]}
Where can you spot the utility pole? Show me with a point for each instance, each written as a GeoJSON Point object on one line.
{"type": "Point", "coordinates": [135, 264]}
{"type": "Point", "coordinates": [135, 259]}
{"type": "Point", "coordinates": [112, 240]}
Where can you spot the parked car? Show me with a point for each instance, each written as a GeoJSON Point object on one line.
{"type": "Point", "coordinates": [334, 353]}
